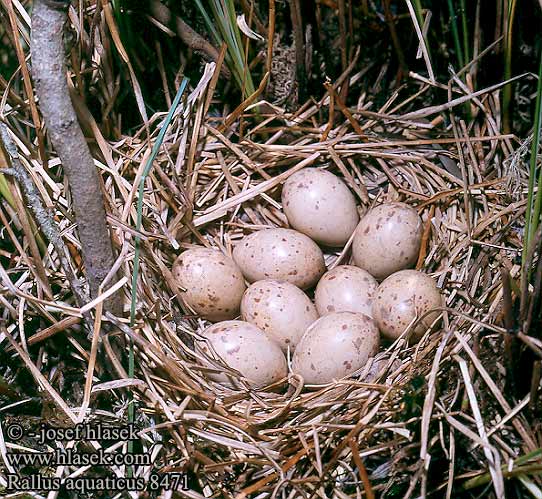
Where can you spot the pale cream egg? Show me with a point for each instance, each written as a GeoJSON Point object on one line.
{"type": "Point", "coordinates": [282, 254]}
{"type": "Point", "coordinates": [320, 205]}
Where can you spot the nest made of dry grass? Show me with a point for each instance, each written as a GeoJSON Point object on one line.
{"type": "Point", "coordinates": [378, 431]}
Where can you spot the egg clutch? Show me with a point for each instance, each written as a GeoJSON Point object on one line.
{"type": "Point", "coordinates": [337, 333]}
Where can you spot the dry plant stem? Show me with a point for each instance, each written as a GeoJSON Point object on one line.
{"type": "Point", "coordinates": [32, 262]}
{"type": "Point", "coordinates": [509, 341]}
{"type": "Point", "coordinates": [361, 469]}
{"type": "Point", "coordinates": [28, 229]}
{"type": "Point", "coordinates": [49, 72]}
{"type": "Point", "coordinates": [247, 8]}
{"type": "Point", "coordinates": [425, 239]}
{"type": "Point", "coordinates": [534, 402]}
{"type": "Point", "coordinates": [345, 111]}
{"type": "Point", "coordinates": [194, 40]}
{"type": "Point", "coordinates": [525, 271]}
{"type": "Point", "coordinates": [534, 297]}
{"type": "Point", "coordinates": [27, 83]}
{"type": "Point", "coordinates": [234, 115]}
{"type": "Point", "coordinates": [299, 45]}
{"type": "Point", "coordinates": [344, 47]}
{"type": "Point", "coordinates": [42, 216]}
{"type": "Point", "coordinates": [342, 31]}
{"type": "Point", "coordinates": [395, 38]}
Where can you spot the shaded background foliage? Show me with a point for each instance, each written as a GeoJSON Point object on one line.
{"type": "Point", "coordinates": [156, 54]}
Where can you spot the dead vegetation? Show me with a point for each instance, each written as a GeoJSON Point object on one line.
{"type": "Point", "coordinates": [450, 417]}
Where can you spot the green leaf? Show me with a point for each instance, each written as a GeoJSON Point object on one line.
{"type": "Point", "coordinates": [139, 219]}
{"type": "Point", "coordinates": [532, 216]}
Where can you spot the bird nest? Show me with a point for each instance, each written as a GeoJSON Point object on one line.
{"type": "Point", "coordinates": [435, 405]}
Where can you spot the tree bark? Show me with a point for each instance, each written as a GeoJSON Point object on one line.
{"type": "Point", "coordinates": [49, 74]}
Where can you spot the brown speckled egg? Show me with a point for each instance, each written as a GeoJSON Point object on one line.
{"type": "Point", "coordinates": [211, 283]}
{"type": "Point", "coordinates": [320, 205]}
{"type": "Point", "coordinates": [247, 349]}
{"type": "Point", "coordinates": [401, 298]}
{"type": "Point", "coordinates": [280, 309]}
{"type": "Point", "coordinates": [334, 346]}
{"type": "Point", "coordinates": [345, 289]}
{"type": "Point", "coordinates": [387, 239]}
{"type": "Point", "coordinates": [281, 254]}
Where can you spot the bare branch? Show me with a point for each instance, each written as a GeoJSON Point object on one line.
{"type": "Point", "coordinates": [49, 73]}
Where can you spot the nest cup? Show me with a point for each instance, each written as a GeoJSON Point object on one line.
{"type": "Point", "coordinates": [287, 437]}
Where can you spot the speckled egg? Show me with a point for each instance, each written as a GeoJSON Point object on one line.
{"type": "Point", "coordinates": [387, 239]}
{"type": "Point", "coordinates": [401, 298]}
{"type": "Point", "coordinates": [211, 283]}
{"type": "Point", "coordinates": [320, 205]}
{"type": "Point", "coordinates": [281, 254]}
{"type": "Point", "coordinates": [345, 289]}
{"type": "Point", "coordinates": [247, 349]}
{"type": "Point", "coordinates": [280, 309]}
{"type": "Point", "coordinates": [334, 346]}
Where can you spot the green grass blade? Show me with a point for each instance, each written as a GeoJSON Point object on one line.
{"type": "Point", "coordinates": [208, 22]}
{"type": "Point", "coordinates": [528, 457]}
{"type": "Point", "coordinates": [146, 170]}
{"type": "Point", "coordinates": [530, 486]}
{"type": "Point", "coordinates": [419, 11]}
{"type": "Point", "coordinates": [526, 460]}
{"type": "Point", "coordinates": [507, 90]}
{"type": "Point", "coordinates": [455, 34]}
{"type": "Point", "coordinates": [245, 74]}
{"type": "Point", "coordinates": [5, 192]}
{"type": "Point", "coordinates": [465, 28]}
{"type": "Point", "coordinates": [532, 216]}
{"type": "Point", "coordinates": [224, 29]}
{"type": "Point", "coordinates": [227, 30]}
{"type": "Point", "coordinates": [416, 13]}
{"type": "Point", "coordinates": [236, 35]}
